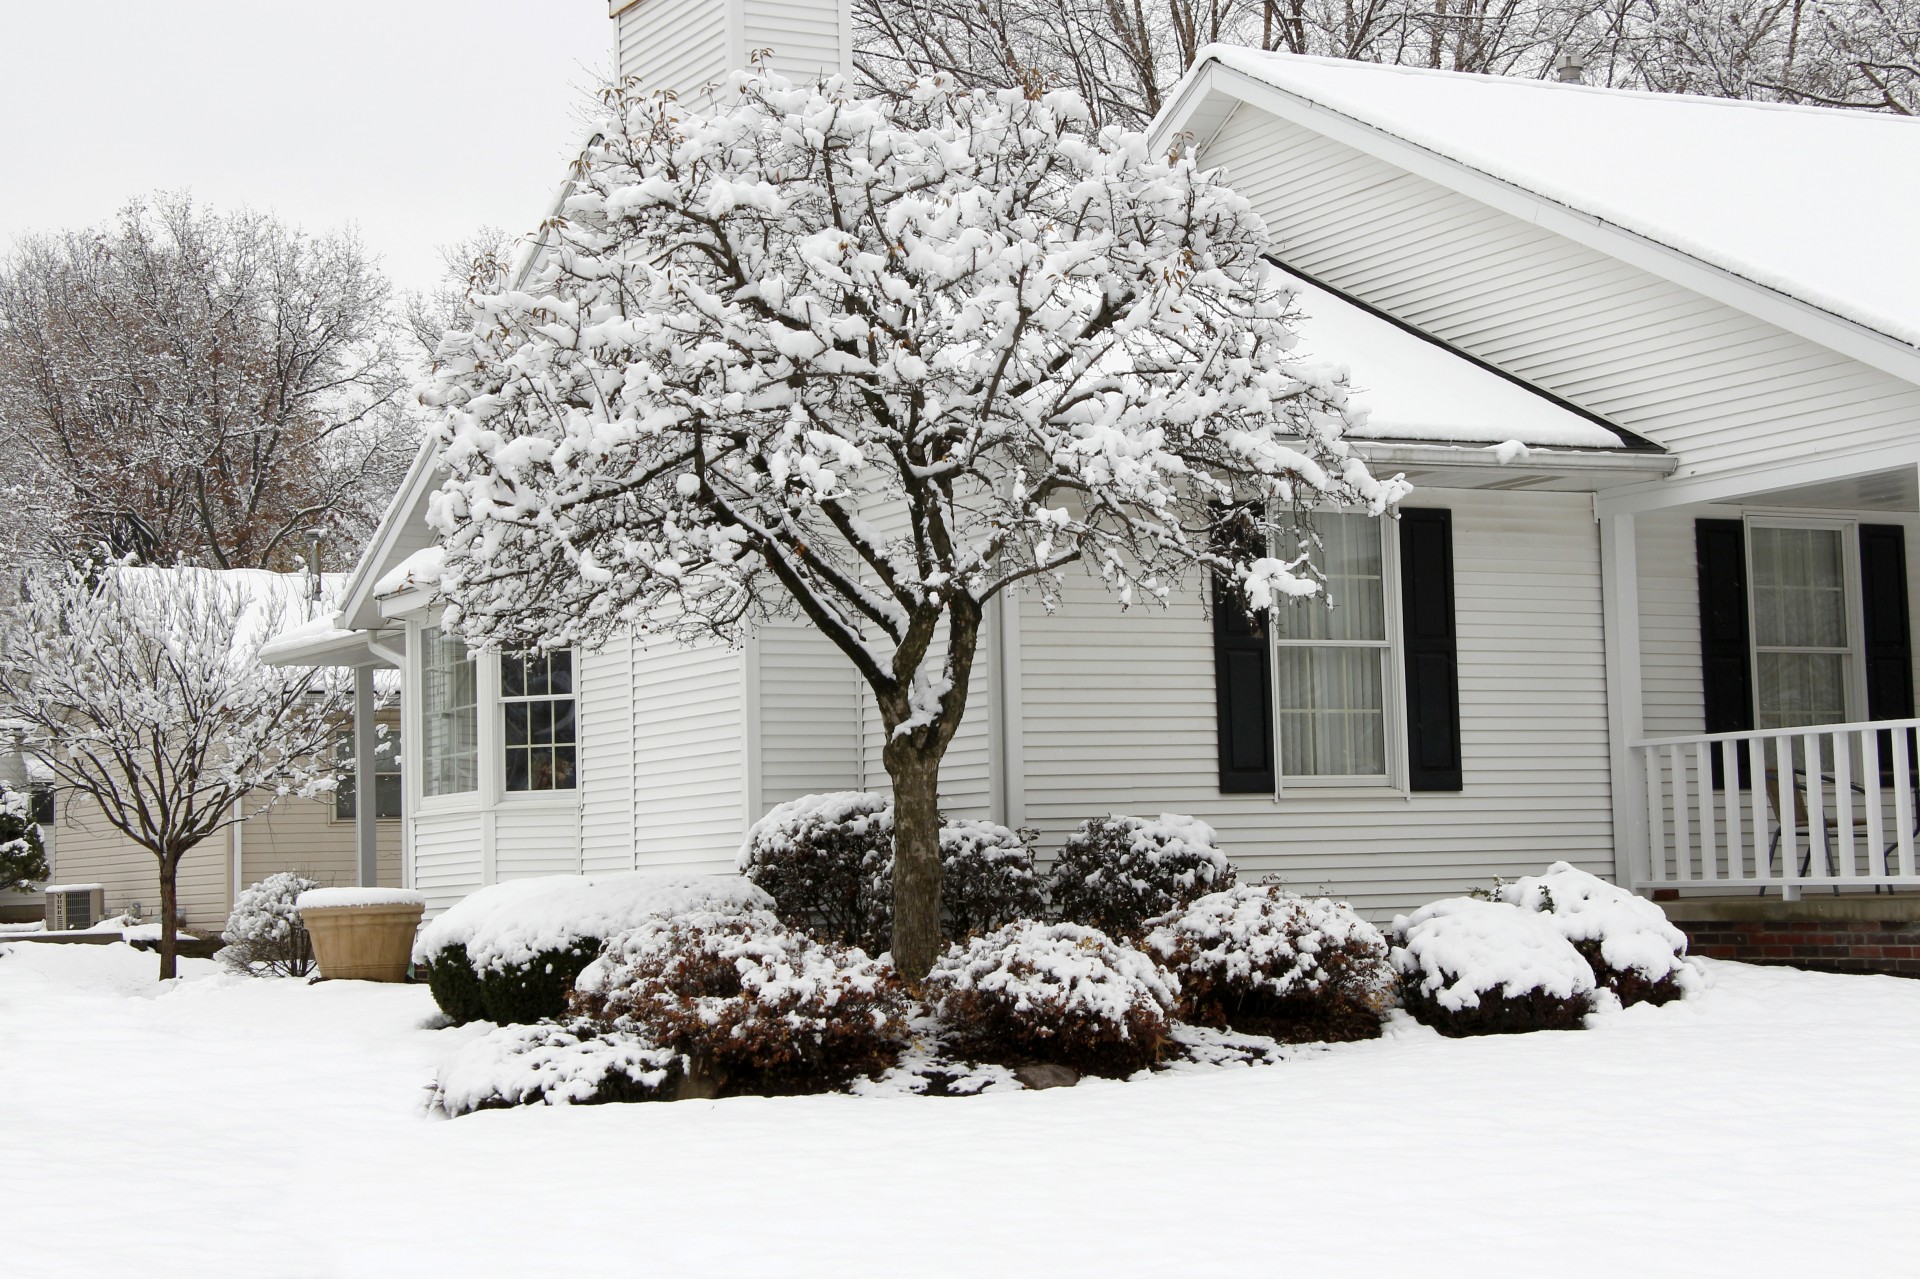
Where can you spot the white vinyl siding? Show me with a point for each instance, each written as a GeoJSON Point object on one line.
{"type": "Point", "coordinates": [689, 761]}
{"type": "Point", "coordinates": [1719, 387]}
{"type": "Point", "coordinates": [605, 680]}
{"type": "Point", "coordinates": [673, 44]}
{"type": "Point", "coordinates": [809, 715]}
{"type": "Point", "coordinates": [1119, 717]}
{"type": "Point", "coordinates": [448, 856]}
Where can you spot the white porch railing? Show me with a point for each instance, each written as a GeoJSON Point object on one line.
{"type": "Point", "coordinates": [1833, 806]}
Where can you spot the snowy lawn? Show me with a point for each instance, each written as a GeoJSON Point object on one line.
{"type": "Point", "coordinates": [276, 1129]}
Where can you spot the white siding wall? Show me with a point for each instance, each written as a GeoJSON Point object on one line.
{"type": "Point", "coordinates": [1719, 387]}
{"type": "Point", "coordinates": [689, 733]}
{"type": "Point", "coordinates": [809, 715]}
{"type": "Point", "coordinates": [605, 690]}
{"type": "Point", "coordinates": [805, 35]}
{"type": "Point", "coordinates": [1118, 715]}
{"type": "Point", "coordinates": [448, 856]}
{"type": "Point", "coordinates": [673, 44]}
{"type": "Point", "coordinates": [535, 836]}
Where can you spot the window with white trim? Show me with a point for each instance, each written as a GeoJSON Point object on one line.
{"type": "Point", "coordinates": [386, 776]}
{"type": "Point", "coordinates": [538, 722]}
{"type": "Point", "coordinates": [449, 716]}
{"type": "Point", "coordinates": [1805, 644]}
{"type": "Point", "coordinates": [1333, 663]}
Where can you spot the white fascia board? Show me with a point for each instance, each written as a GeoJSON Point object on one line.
{"type": "Point", "coordinates": [1186, 113]}
{"type": "Point", "coordinates": [1536, 460]}
{"type": "Point", "coordinates": [1747, 482]}
{"type": "Point", "coordinates": [405, 604]}
{"type": "Point", "coordinates": [358, 607]}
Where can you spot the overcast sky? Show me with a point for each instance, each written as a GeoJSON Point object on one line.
{"type": "Point", "coordinates": [417, 120]}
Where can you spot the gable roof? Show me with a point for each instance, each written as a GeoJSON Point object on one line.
{"type": "Point", "coordinates": [1807, 204]}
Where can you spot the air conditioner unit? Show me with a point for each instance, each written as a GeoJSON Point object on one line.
{"type": "Point", "coordinates": [74, 906]}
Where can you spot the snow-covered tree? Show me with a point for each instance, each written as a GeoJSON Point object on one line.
{"type": "Point", "coordinates": [23, 861]}
{"type": "Point", "coordinates": [187, 383]}
{"type": "Point", "coordinates": [141, 691]}
{"type": "Point", "coordinates": [870, 363]}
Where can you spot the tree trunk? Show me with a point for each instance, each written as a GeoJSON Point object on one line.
{"type": "Point", "coordinates": [915, 771]}
{"type": "Point", "coordinates": [169, 931]}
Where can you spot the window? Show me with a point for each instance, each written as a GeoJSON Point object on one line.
{"type": "Point", "coordinates": [536, 696]}
{"type": "Point", "coordinates": [1332, 664]}
{"type": "Point", "coordinates": [1803, 656]}
{"type": "Point", "coordinates": [449, 716]}
{"type": "Point", "coordinates": [386, 777]}
{"type": "Point", "coordinates": [42, 813]}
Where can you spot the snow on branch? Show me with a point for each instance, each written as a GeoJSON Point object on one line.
{"type": "Point", "coordinates": [871, 362]}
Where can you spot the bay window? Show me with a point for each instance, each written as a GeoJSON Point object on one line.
{"type": "Point", "coordinates": [449, 715]}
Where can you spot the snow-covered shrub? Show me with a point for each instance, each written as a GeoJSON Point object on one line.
{"type": "Point", "coordinates": [1265, 961]}
{"type": "Point", "coordinates": [510, 952]}
{"type": "Point", "coordinates": [756, 1007]}
{"type": "Point", "coordinates": [820, 858]}
{"type": "Point", "coordinates": [827, 861]}
{"type": "Point", "coordinates": [1628, 941]}
{"type": "Point", "coordinates": [1060, 993]}
{"type": "Point", "coordinates": [577, 1063]}
{"type": "Point", "coordinates": [23, 862]}
{"type": "Point", "coordinates": [264, 935]}
{"type": "Point", "coordinates": [1115, 872]}
{"type": "Point", "coordinates": [1473, 967]}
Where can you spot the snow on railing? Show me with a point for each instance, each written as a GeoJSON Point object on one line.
{"type": "Point", "coordinates": [1829, 806]}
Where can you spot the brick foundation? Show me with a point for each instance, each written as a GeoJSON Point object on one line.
{"type": "Point", "coordinates": [1828, 945]}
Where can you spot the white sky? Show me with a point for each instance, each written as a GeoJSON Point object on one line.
{"type": "Point", "coordinates": [416, 120]}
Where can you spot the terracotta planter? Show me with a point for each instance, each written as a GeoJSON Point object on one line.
{"type": "Point", "coordinates": [363, 942]}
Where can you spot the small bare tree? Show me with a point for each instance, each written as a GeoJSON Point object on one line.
{"type": "Point", "coordinates": [185, 383]}
{"type": "Point", "coordinates": [142, 692]}
{"type": "Point", "coordinates": [872, 362]}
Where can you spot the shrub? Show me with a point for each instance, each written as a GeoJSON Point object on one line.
{"type": "Point", "coordinates": [823, 858]}
{"type": "Point", "coordinates": [23, 862]}
{"type": "Point", "coordinates": [572, 1064]}
{"type": "Point", "coordinates": [827, 861]}
{"type": "Point", "coordinates": [756, 1007]}
{"type": "Point", "coordinates": [1060, 993]}
{"type": "Point", "coordinates": [1473, 967]}
{"type": "Point", "coordinates": [264, 935]}
{"type": "Point", "coordinates": [510, 952]}
{"type": "Point", "coordinates": [1115, 873]}
{"type": "Point", "coordinates": [1264, 961]}
{"type": "Point", "coordinates": [1628, 941]}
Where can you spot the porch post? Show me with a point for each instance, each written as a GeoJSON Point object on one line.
{"type": "Point", "coordinates": [1620, 623]}
{"type": "Point", "coordinates": [366, 830]}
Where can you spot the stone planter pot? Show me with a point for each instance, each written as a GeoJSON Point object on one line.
{"type": "Point", "coordinates": [361, 934]}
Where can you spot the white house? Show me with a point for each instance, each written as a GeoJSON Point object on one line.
{"type": "Point", "coordinates": [1653, 365]}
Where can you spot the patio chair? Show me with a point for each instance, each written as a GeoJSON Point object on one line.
{"type": "Point", "coordinates": [1829, 835]}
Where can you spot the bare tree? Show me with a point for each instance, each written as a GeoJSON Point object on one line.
{"type": "Point", "coordinates": [472, 261]}
{"type": "Point", "coordinates": [184, 383]}
{"type": "Point", "coordinates": [870, 363]}
{"type": "Point", "coordinates": [142, 692]}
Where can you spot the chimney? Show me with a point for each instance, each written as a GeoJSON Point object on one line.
{"type": "Point", "coordinates": [685, 44]}
{"type": "Point", "coordinates": [1569, 68]}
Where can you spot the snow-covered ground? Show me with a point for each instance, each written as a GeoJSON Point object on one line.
{"type": "Point", "coordinates": [223, 1125]}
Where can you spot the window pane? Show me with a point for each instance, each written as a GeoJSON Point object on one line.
{"type": "Point", "coordinates": [1332, 722]}
{"type": "Point", "coordinates": [513, 676]}
{"type": "Point", "coordinates": [563, 721]}
{"type": "Point", "coordinates": [1802, 688]}
{"type": "Point", "coordinates": [516, 723]}
{"type": "Point", "coordinates": [1354, 606]}
{"type": "Point", "coordinates": [1799, 588]}
{"type": "Point", "coordinates": [517, 769]}
{"type": "Point", "coordinates": [560, 667]}
{"type": "Point", "coordinates": [449, 712]}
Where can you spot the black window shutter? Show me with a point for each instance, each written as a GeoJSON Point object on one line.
{"type": "Point", "coordinates": [1243, 705]}
{"type": "Point", "coordinates": [1889, 640]}
{"type": "Point", "coordinates": [1432, 650]}
{"type": "Point", "coordinates": [1726, 657]}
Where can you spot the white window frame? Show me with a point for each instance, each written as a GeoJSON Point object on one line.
{"type": "Point", "coordinates": [1855, 650]}
{"type": "Point", "coordinates": [413, 735]}
{"type": "Point", "coordinates": [388, 763]}
{"type": "Point", "coordinates": [497, 718]}
{"type": "Point", "coordinates": [1393, 782]}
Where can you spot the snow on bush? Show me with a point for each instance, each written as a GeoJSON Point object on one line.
{"type": "Point", "coordinates": [823, 858]}
{"type": "Point", "coordinates": [510, 952]}
{"type": "Point", "coordinates": [1116, 872]}
{"type": "Point", "coordinates": [827, 860]}
{"type": "Point", "coordinates": [1265, 961]}
{"type": "Point", "coordinates": [757, 1008]}
{"type": "Point", "coordinates": [1627, 940]}
{"type": "Point", "coordinates": [264, 935]}
{"type": "Point", "coordinates": [1061, 993]}
{"type": "Point", "coordinates": [1474, 967]}
{"type": "Point", "coordinates": [575, 1064]}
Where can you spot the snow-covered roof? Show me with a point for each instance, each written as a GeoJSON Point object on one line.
{"type": "Point", "coordinates": [1814, 203]}
{"type": "Point", "coordinates": [1414, 389]}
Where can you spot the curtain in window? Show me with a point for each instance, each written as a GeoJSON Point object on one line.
{"type": "Point", "coordinates": [1800, 625]}
{"type": "Point", "coordinates": [1329, 658]}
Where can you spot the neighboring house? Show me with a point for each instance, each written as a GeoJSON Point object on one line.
{"type": "Point", "coordinates": [315, 837]}
{"type": "Point", "coordinates": [22, 774]}
{"type": "Point", "coordinates": [1652, 364]}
